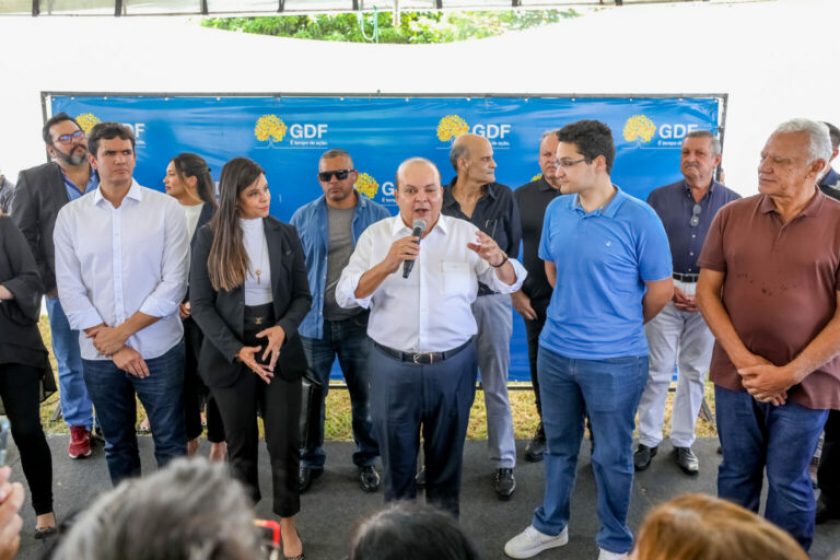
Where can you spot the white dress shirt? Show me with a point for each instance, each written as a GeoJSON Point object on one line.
{"type": "Point", "coordinates": [112, 262]}
{"type": "Point", "coordinates": [430, 310]}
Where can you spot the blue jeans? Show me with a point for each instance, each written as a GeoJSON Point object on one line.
{"type": "Point", "coordinates": [113, 393]}
{"type": "Point", "coordinates": [782, 439]}
{"type": "Point", "coordinates": [348, 340]}
{"type": "Point", "coordinates": [75, 402]}
{"type": "Point", "coordinates": [608, 391]}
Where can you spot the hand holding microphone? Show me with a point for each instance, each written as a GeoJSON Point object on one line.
{"type": "Point", "coordinates": [405, 250]}
{"type": "Point", "coordinates": [418, 227]}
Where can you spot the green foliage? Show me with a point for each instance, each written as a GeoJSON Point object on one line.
{"type": "Point", "coordinates": [414, 27]}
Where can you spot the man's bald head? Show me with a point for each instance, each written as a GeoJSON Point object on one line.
{"type": "Point", "coordinates": [471, 156]}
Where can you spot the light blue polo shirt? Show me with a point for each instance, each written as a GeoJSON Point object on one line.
{"type": "Point", "coordinates": [603, 260]}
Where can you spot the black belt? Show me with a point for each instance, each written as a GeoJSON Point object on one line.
{"type": "Point", "coordinates": [422, 357]}
{"type": "Point", "coordinates": [687, 277]}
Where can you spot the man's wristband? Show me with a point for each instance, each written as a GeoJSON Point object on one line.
{"type": "Point", "coordinates": [501, 264]}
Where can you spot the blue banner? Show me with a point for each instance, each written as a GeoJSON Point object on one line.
{"type": "Point", "coordinates": [286, 136]}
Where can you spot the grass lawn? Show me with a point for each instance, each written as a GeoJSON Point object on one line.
{"type": "Point", "coordinates": [338, 410]}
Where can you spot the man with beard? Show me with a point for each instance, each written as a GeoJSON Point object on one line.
{"type": "Point", "coordinates": [41, 192]}
{"type": "Point", "coordinates": [329, 227]}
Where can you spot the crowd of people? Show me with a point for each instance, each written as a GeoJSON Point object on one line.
{"type": "Point", "coordinates": [195, 301]}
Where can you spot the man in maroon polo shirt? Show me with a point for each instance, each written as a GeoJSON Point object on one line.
{"type": "Point", "coordinates": [768, 289]}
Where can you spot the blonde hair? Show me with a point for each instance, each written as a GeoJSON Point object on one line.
{"type": "Point", "coordinates": [702, 527]}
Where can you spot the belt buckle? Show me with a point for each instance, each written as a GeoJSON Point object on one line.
{"type": "Point", "coordinates": [417, 358]}
{"type": "Point", "coordinates": [258, 320]}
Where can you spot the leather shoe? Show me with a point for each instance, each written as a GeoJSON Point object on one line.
{"type": "Point", "coordinates": [535, 449]}
{"type": "Point", "coordinates": [687, 460]}
{"type": "Point", "coordinates": [306, 476]}
{"type": "Point", "coordinates": [369, 478]}
{"type": "Point", "coordinates": [825, 512]}
{"type": "Point", "coordinates": [504, 483]}
{"type": "Point", "coordinates": [45, 532]}
{"type": "Point", "coordinates": [643, 456]}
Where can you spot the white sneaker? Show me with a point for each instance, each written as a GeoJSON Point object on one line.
{"type": "Point", "coordinates": [531, 542]}
{"type": "Point", "coordinates": [607, 555]}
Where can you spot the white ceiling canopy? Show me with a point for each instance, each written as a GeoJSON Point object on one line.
{"type": "Point", "coordinates": [266, 7]}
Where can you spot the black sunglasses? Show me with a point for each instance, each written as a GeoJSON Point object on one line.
{"type": "Point", "coordinates": [340, 174]}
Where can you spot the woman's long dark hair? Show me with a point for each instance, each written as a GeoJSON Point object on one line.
{"type": "Point", "coordinates": [193, 165]}
{"type": "Point", "coordinates": [227, 262]}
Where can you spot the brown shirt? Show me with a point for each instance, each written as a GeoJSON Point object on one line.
{"type": "Point", "coordinates": [780, 287]}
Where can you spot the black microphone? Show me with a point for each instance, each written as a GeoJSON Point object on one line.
{"type": "Point", "coordinates": [419, 226]}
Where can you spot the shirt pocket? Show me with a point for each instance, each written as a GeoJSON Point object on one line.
{"type": "Point", "coordinates": [456, 277]}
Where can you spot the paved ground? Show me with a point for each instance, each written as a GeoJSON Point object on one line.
{"type": "Point", "coordinates": [333, 504]}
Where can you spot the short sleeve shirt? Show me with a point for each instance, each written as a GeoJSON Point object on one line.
{"type": "Point", "coordinates": [780, 287]}
{"type": "Point", "coordinates": [603, 259]}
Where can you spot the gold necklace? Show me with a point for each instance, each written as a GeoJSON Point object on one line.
{"type": "Point", "coordinates": [258, 271]}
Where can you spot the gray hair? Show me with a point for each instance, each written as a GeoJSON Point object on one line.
{"type": "Point", "coordinates": [191, 510]}
{"type": "Point", "coordinates": [716, 148]}
{"type": "Point", "coordinates": [820, 141]}
{"type": "Point", "coordinates": [412, 161]}
{"type": "Point", "coordinates": [456, 152]}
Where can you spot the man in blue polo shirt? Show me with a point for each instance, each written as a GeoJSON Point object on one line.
{"type": "Point", "coordinates": [606, 255]}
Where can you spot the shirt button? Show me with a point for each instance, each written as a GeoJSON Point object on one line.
{"type": "Point", "coordinates": [693, 236]}
{"type": "Point", "coordinates": [691, 254]}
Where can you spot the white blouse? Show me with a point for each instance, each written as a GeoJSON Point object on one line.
{"type": "Point", "coordinates": [258, 276]}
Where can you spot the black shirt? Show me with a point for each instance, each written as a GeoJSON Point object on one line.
{"type": "Point", "coordinates": [532, 199]}
{"type": "Point", "coordinates": [495, 214]}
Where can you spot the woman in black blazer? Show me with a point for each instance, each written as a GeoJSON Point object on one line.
{"type": "Point", "coordinates": [249, 293]}
{"type": "Point", "coordinates": [25, 373]}
{"type": "Point", "coordinates": [188, 181]}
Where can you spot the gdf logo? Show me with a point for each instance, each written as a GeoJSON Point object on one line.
{"type": "Point", "coordinates": [308, 131]}
{"type": "Point", "coordinates": [491, 131]}
{"type": "Point", "coordinates": [642, 129]}
{"type": "Point", "coordinates": [138, 129]}
{"type": "Point", "coordinates": [676, 131]}
{"type": "Point", "coordinates": [388, 188]}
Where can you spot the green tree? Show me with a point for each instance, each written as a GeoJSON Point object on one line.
{"type": "Point", "coordinates": [413, 28]}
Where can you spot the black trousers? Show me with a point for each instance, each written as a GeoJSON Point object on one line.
{"type": "Point", "coordinates": [196, 392]}
{"type": "Point", "coordinates": [280, 404]}
{"type": "Point", "coordinates": [532, 332]}
{"type": "Point", "coordinates": [20, 391]}
{"type": "Point", "coordinates": [828, 473]}
{"type": "Point", "coordinates": [407, 397]}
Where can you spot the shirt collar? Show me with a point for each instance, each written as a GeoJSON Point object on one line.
{"type": "Point", "coordinates": [813, 207]}
{"type": "Point", "coordinates": [708, 192]}
{"type": "Point", "coordinates": [543, 184]}
{"type": "Point", "coordinates": [134, 193]}
{"type": "Point", "coordinates": [399, 228]}
{"type": "Point", "coordinates": [610, 210]}
{"type": "Point", "coordinates": [490, 189]}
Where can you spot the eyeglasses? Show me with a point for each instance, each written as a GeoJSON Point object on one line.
{"type": "Point", "coordinates": [340, 174]}
{"type": "Point", "coordinates": [565, 163]}
{"type": "Point", "coordinates": [67, 138]}
{"type": "Point", "coordinates": [695, 215]}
